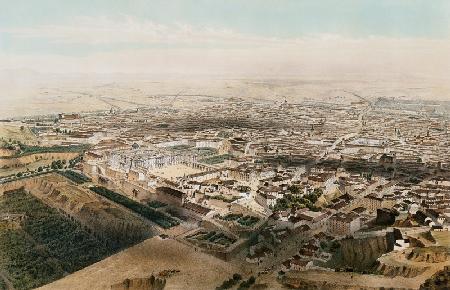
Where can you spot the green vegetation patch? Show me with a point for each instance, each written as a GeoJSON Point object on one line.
{"type": "Point", "coordinates": [20, 176]}
{"type": "Point", "coordinates": [47, 246]}
{"type": "Point", "coordinates": [212, 237]}
{"type": "Point", "coordinates": [161, 219]}
{"type": "Point", "coordinates": [295, 201]}
{"type": "Point", "coordinates": [223, 198]}
{"type": "Point", "coordinates": [75, 176]}
{"type": "Point", "coordinates": [247, 284]}
{"type": "Point", "coordinates": [230, 283]}
{"type": "Point", "coordinates": [156, 204]}
{"type": "Point", "coordinates": [180, 147]}
{"type": "Point", "coordinates": [28, 264]}
{"type": "Point", "coordinates": [2, 285]}
{"type": "Point", "coordinates": [73, 162]}
{"type": "Point", "coordinates": [204, 151]}
{"type": "Point", "coordinates": [246, 221]}
{"type": "Point", "coordinates": [216, 159]}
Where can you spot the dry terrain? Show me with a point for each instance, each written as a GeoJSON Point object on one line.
{"type": "Point", "coordinates": [52, 96]}
{"type": "Point", "coordinates": [197, 270]}
{"type": "Point", "coordinates": [397, 270]}
{"type": "Point", "coordinates": [442, 238]}
{"type": "Point", "coordinates": [173, 171]}
{"type": "Point", "coordinates": [12, 131]}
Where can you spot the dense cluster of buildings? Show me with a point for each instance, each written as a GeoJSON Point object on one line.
{"type": "Point", "coordinates": [322, 170]}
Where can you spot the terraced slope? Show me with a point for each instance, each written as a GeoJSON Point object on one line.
{"type": "Point", "coordinates": [46, 246]}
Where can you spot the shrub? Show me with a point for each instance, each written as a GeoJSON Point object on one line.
{"type": "Point", "coordinates": [227, 284]}
{"type": "Point", "coordinates": [156, 204]}
{"type": "Point", "coordinates": [247, 284]}
{"type": "Point", "coordinates": [75, 176]}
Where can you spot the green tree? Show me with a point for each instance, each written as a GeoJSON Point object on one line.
{"type": "Point", "coordinates": [294, 189]}
{"type": "Point", "coordinates": [237, 277]}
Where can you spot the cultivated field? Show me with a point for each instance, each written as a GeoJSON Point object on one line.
{"type": "Point", "coordinates": [46, 246]}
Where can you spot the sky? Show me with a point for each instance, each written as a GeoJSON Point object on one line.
{"type": "Point", "coordinates": [227, 37]}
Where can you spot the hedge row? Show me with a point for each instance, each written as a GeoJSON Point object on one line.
{"type": "Point", "coordinates": [161, 219]}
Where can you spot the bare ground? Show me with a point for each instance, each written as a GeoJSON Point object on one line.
{"type": "Point", "coordinates": [197, 270]}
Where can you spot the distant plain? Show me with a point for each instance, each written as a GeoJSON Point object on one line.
{"type": "Point", "coordinates": [42, 95]}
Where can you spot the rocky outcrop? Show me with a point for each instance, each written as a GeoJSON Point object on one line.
{"type": "Point", "coordinates": [362, 254]}
{"type": "Point", "coordinates": [428, 236]}
{"type": "Point", "coordinates": [399, 271]}
{"type": "Point", "coordinates": [414, 242]}
{"type": "Point", "coordinates": [429, 255]}
{"type": "Point", "coordinates": [439, 281]}
{"type": "Point", "coordinates": [411, 263]}
{"type": "Point", "coordinates": [151, 283]}
{"type": "Point", "coordinates": [308, 284]}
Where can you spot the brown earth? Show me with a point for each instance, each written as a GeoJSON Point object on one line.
{"type": "Point", "coordinates": [6, 152]}
{"type": "Point", "coordinates": [362, 253]}
{"type": "Point", "coordinates": [197, 270]}
{"type": "Point", "coordinates": [429, 255]}
{"type": "Point", "coordinates": [151, 283]}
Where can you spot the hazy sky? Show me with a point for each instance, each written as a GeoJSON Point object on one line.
{"type": "Point", "coordinates": [227, 36]}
